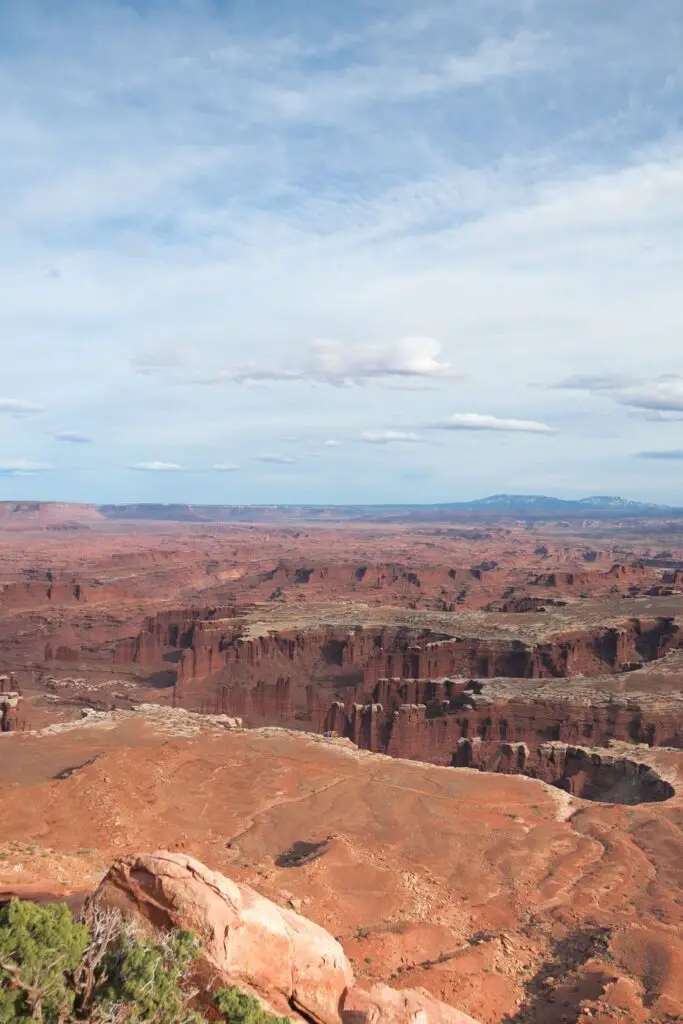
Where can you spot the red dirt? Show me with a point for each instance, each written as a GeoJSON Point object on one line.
{"type": "Point", "coordinates": [470, 884]}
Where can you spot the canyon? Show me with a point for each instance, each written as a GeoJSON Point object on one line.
{"type": "Point", "coordinates": [541, 657]}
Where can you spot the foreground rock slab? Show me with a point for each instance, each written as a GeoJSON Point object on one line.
{"type": "Point", "coordinates": [289, 962]}
{"type": "Point", "coordinates": [248, 940]}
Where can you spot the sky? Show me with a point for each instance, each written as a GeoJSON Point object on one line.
{"type": "Point", "coordinates": [379, 251]}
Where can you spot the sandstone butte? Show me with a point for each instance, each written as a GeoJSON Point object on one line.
{"type": "Point", "coordinates": [505, 898]}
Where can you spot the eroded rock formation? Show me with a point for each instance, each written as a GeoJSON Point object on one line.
{"type": "Point", "coordinates": [610, 776]}
{"type": "Point", "coordinates": [10, 699]}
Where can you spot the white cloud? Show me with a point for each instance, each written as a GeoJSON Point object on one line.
{"type": "Point", "coordinates": [659, 399]}
{"type": "Point", "coordinates": [225, 467]}
{"type": "Point", "coordinates": [475, 421]}
{"type": "Point", "coordinates": [389, 436]}
{"type": "Point", "coordinates": [341, 364]}
{"type": "Point", "coordinates": [17, 407]}
{"type": "Point", "coordinates": [410, 357]}
{"type": "Point", "coordinates": [331, 443]}
{"type": "Point", "coordinates": [662, 395]}
{"type": "Point", "coordinates": [22, 467]}
{"type": "Point", "coordinates": [71, 437]}
{"type": "Point", "coordinates": [156, 467]}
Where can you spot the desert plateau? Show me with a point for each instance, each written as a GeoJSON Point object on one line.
{"type": "Point", "coordinates": [453, 740]}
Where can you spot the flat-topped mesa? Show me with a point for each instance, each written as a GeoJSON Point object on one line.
{"type": "Point", "coordinates": [270, 703]}
{"type": "Point", "coordinates": [567, 580]}
{"type": "Point", "coordinates": [210, 646]}
{"type": "Point", "coordinates": [8, 684]}
{"type": "Point", "coordinates": [586, 652]}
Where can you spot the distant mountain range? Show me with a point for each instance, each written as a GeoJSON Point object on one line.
{"type": "Point", "coordinates": [543, 503]}
{"type": "Point", "coordinates": [508, 505]}
{"type": "Point", "coordinates": [57, 515]}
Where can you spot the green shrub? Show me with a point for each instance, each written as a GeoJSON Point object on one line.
{"type": "Point", "coordinates": [55, 970]}
{"type": "Point", "coordinates": [40, 947]}
{"type": "Point", "coordinates": [237, 1007]}
{"type": "Point", "coordinates": [144, 980]}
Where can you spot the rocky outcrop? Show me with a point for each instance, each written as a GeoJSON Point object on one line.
{"type": "Point", "coordinates": [286, 960]}
{"type": "Point", "coordinates": [10, 699]}
{"type": "Point", "coordinates": [177, 629]}
{"type": "Point", "coordinates": [291, 964]}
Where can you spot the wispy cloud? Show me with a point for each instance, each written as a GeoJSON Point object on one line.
{"type": "Point", "coordinates": [225, 467]}
{"type": "Point", "coordinates": [331, 95]}
{"type": "Point", "coordinates": [331, 443]}
{"type": "Point", "coordinates": [662, 395]}
{"type": "Point", "coordinates": [594, 382]}
{"type": "Point", "coordinates": [277, 460]}
{"type": "Point", "coordinates": [71, 437]}
{"type": "Point", "coordinates": [475, 421]}
{"type": "Point", "coordinates": [18, 407]}
{"type": "Point", "coordinates": [156, 467]}
{"type": "Point", "coordinates": [664, 455]}
{"type": "Point", "coordinates": [658, 415]}
{"type": "Point", "coordinates": [389, 437]}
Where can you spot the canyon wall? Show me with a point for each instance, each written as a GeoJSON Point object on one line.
{"type": "Point", "coordinates": [405, 692]}
{"type": "Point", "coordinates": [610, 776]}
{"type": "Point", "coordinates": [210, 641]}
{"type": "Point", "coordinates": [432, 731]}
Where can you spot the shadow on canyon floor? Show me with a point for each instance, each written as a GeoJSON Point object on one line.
{"type": "Point", "coordinates": [557, 990]}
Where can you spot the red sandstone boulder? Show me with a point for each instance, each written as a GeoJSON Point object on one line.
{"type": "Point", "coordinates": [289, 962]}
{"type": "Point", "coordinates": [248, 941]}
{"type": "Point", "coordinates": [385, 1005]}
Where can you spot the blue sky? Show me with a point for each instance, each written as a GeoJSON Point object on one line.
{"type": "Point", "coordinates": [372, 251]}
